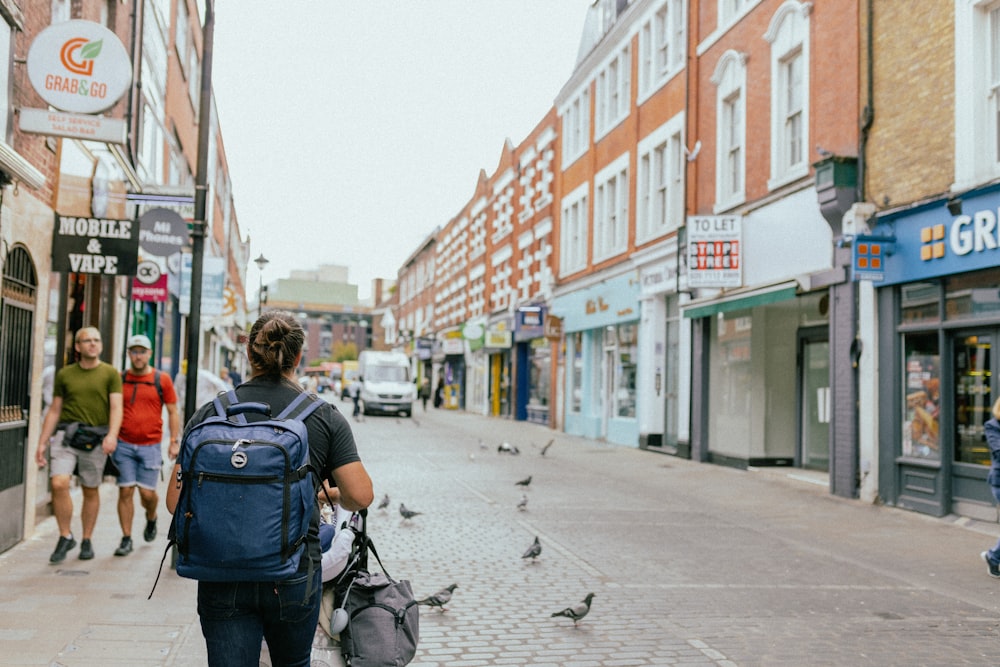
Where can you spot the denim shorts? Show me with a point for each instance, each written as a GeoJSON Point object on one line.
{"type": "Point", "coordinates": [138, 465]}
{"type": "Point", "coordinates": [236, 616]}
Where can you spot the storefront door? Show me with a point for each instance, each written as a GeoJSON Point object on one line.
{"type": "Point", "coordinates": [975, 369]}
{"type": "Point", "coordinates": [814, 399]}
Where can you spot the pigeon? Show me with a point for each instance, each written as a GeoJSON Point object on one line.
{"type": "Point", "coordinates": [577, 611]}
{"type": "Point", "coordinates": [407, 514]}
{"type": "Point", "coordinates": [524, 482]}
{"type": "Point", "coordinates": [507, 448]}
{"type": "Point", "coordinates": [523, 505]}
{"type": "Point", "coordinates": [382, 504]}
{"type": "Point", "coordinates": [534, 550]}
{"type": "Point", "coordinates": [439, 599]}
{"type": "Point", "coordinates": [547, 445]}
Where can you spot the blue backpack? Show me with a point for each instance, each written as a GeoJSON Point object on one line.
{"type": "Point", "coordinates": [248, 493]}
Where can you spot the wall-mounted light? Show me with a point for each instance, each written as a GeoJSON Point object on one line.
{"type": "Point", "coordinates": [954, 205]}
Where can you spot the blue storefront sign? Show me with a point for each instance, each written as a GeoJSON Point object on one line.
{"type": "Point", "coordinates": [611, 301]}
{"type": "Point", "coordinates": [931, 242]}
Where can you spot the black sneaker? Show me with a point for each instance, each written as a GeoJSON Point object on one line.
{"type": "Point", "coordinates": [150, 533]}
{"type": "Point", "coordinates": [62, 548]}
{"type": "Point", "coordinates": [992, 567]}
{"type": "Point", "coordinates": [125, 548]}
{"type": "Point", "coordinates": [86, 550]}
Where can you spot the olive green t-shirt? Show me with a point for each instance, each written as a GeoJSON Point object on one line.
{"type": "Point", "coordinates": [85, 393]}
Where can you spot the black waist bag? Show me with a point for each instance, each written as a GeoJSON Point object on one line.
{"type": "Point", "coordinates": [83, 437]}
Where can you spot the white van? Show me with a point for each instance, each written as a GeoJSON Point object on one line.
{"type": "Point", "coordinates": [386, 383]}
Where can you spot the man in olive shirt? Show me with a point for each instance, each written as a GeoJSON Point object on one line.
{"type": "Point", "coordinates": [88, 392]}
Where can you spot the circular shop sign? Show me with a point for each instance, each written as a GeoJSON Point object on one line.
{"type": "Point", "coordinates": [162, 232]}
{"type": "Point", "coordinates": [79, 66]}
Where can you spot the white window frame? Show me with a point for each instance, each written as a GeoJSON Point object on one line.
{"type": "Point", "coordinates": [788, 35]}
{"type": "Point", "coordinates": [576, 127]}
{"type": "Point", "coordinates": [661, 163]}
{"type": "Point", "coordinates": [573, 231]}
{"type": "Point", "coordinates": [662, 46]}
{"type": "Point", "coordinates": [611, 92]}
{"type": "Point", "coordinates": [977, 88]}
{"type": "Point", "coordinates": [730, 80]}
{"type": "Point", "coordinates": [611, 219]}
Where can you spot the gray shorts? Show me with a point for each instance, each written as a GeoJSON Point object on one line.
{"type": "Point", "coordinates": [64, 460]}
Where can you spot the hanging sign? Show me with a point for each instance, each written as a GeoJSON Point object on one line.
{"type": "Point", "coordinates": [95, 245]}
{"type": "Point", "coordinates": [79, 66]}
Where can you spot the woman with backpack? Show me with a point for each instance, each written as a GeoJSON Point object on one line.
{"type": "Point", "coordinates": [237, 615]}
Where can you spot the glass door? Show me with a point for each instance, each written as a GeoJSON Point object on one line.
{"type": "Point", "coordinates": [814, 401]}
{"type": "Point", "coordinates": [973, 396]}
{"type": "Point", "coordinates": [974, 369]}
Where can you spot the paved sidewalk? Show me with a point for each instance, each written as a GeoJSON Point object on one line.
{"type": "Point", "coordinates": [691, 564]}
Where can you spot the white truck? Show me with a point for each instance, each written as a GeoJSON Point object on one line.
{"type": "Point", "coordinates": [386, 383]}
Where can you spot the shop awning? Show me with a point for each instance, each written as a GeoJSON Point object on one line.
{"type": "Point", "coordinates": [743, 301]}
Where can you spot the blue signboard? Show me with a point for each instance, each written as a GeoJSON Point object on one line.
{"type": "Point", "coordinates": [932, 242]}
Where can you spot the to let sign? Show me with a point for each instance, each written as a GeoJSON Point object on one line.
{"type": "Point", "coordinates": [95, 245]}
{"type": "Point", "coordinates": [714, 246]}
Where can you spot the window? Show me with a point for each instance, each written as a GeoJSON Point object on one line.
{"type": "Point", "coordinates": [730, 10]}
{"type": "Point", "coordinates": [977, 85]}
{"type": "Point", "coordinates": [922, 382]}
{"type": "Point", "coordinates": [660, 185]}
{"type": "Point", "coordinates": [612, 93]}
{"type": "Point", "coordinates": [625, 371]}
{"type": "Point", "coordinates": [788, 36]}
{"type": "Point", "coordinates": [730, 81]}
{"type": "Point", "coordinates": [576, 372]}
{"type": "Point", "coordinates": [661, 46]}
{"type": "Point", "coordinates": [573, 232]}
{"type": "Point", "coordinates": [611, 210]}
{"type": "Point", "coordinates": [576, 128]}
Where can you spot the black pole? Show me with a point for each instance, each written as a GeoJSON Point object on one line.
{"type": "Point", "coordinates": [199, 224]}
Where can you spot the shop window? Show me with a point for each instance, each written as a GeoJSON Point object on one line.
{"type": "Point", "coordinates": [922, 385]}
{"type": "Point", "coordinates": [540, 371]}
{"type": "Point", "coordinates": [625, 372]}
{"type": "Point", "coordinates": [972, 295]}
{"type": "Point", "coordinates": [576, 372]}
{"type": "Point", "coordinates": [919, 303]}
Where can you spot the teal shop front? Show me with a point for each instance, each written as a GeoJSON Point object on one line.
{"type": "Point", "coordinates": [601, 325]}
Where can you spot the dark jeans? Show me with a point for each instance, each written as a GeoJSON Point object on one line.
{"type": "Point", "coordinates": [235, 616]}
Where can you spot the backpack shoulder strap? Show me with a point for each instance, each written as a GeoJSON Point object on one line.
{"type": "Point", "coordinates": [300, 408]}
{"type": "Point", "coordinates": [223, 402]}
{"type": "Point", "coordinates": [156, 383]}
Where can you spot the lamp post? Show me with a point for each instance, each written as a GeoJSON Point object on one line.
{"type": "Point", "coordinates": [261, 262]}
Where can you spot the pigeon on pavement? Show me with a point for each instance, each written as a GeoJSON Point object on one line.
{"type": "Point", "coordinates": [523, 505]}
{"type": "Point", "coordinates": [439, 599]}
{"type": "Point", "coordinates": [407, 514]}
{"type": "Point", "coordinates": [547, 445]}
{"type": "Point", "coordinates": [577, 611]}
{"type": "Point", "coordinates": [534, 550]}
{"type": "Point", "coordinates": [507, 448]}
{"type": "Point", "coordinates": [524, 482]}
{"type": "Point", "coordinates": [384, 502]}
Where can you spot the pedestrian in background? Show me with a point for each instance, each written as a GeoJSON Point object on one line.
{"type": "Point", "coordinates": [87, 393]}
{"type": "Point", "coordinates": [235, 616]}
{"type": "Point", "coordinates": [355, 390]}
{"type": "Point", "coordinates": [992, 431]}
{"type": "Point", "coordinates": [139, 457]}
{"type": "Point", "coordinates": [425, 392]}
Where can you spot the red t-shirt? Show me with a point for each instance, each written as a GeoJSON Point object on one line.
{"type": "Point", "coordinates": [142, 421]}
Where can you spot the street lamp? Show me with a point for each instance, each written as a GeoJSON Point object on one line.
{"type": "Point", "coordinates": [261, 262]}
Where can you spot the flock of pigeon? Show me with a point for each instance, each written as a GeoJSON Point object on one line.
{"type": "Point", "coordinates": [442, 597]}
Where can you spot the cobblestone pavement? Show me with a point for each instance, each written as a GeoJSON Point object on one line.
{"type": "Point", "coordinates": [690, 564]}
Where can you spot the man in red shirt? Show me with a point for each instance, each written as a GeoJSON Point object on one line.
{"type": "Point", "coordinates": [145, 392]}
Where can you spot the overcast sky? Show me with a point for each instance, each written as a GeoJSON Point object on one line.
{"type": "Point", "coordinates": [353, 129]}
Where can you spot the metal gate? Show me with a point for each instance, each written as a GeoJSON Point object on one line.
{"type": "Point", "coordinates": [17, 314]}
